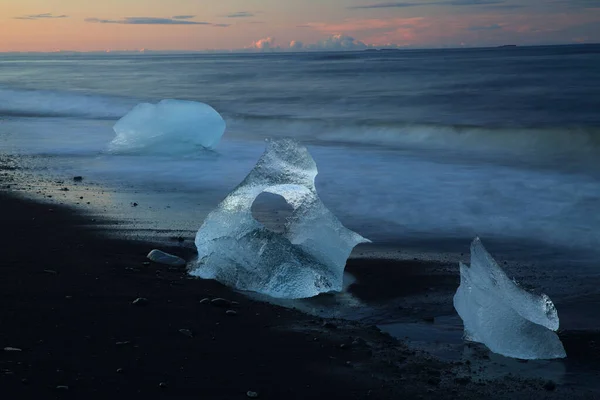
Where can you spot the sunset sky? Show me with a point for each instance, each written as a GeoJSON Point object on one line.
{"type": "Point", "coordinates": [266, 25]}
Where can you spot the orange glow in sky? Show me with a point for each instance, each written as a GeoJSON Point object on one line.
{"type": "Point", "coordinates": [43, 25]}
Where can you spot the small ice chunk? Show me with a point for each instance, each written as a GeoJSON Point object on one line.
{"type": "Point", "coordinates": [508, 319]}
{"type": "Point", "coordinates": [169, 127]}
{"type": "Point", "coordinates": [161, 257]}
{"type": "Point", "coordinates": [304, 258]}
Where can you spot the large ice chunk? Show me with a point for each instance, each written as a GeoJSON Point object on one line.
{"type": "Point", "coordinates": [508, 319]}
{"type": "Point", "coordinates": [169, 127]}
{"type": "Point", "coordinates": [304, 259]}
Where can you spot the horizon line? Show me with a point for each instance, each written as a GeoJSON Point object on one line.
{"type": "Point", "coordinates": [253, 51]}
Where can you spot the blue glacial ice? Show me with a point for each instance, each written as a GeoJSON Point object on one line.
{"type": "Point", "coordinates": [497, 312]}
{"type": "Point", "coordinates": [306, 258]}
{"type": "Point", "coordinates": [169, 127]}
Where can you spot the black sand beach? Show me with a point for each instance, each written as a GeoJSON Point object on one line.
{"type": "Point", "coordinates": [70, 329]}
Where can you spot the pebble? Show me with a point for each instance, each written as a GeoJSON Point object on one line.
{"type": "Point", "coordinates": [161, 257]}
{"type": "Point", "coordinates": [162, 385]}
{"type": "Point", "coordinates": [78, 178]}
{"type": "Point", "coordinates": [186, 332]}
{"type": "Point", "coordinates": [205, 300]}
{"type": "Point", "coordinates": [251, 394]}
{"type": "Point", "coordinates": [231, 313]}
{"type": "Point", "coordinates": [62, 387]}
{"type": "Point", "coordinates": [140, 301]}
{"type": "Point", "coordinates": [220, 302]}
{"type": "Point", "coordinates": [12, 349]}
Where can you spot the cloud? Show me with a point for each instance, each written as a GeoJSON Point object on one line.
{"type": "Point", "coordinates": [577, 4]}
{"type": "Point", "coordinates": [491, 27]}
{"type": "Point", "coordinates": [240, 14]}
{"type": "Point", "coordinates": [41, 16]}
{"type": "Point", "coordinates": [296, 45]}
{"type": "Point", "coordinates": [149, 21]}
{"type": "Point", "coordinates": [263, 44]}
{"type": "Point", "coordinates": [390, 5]}
{"type": "Point", "coordinates": [183, 16]}
{"type": "Point", "coordinates": [428, 3]}
{"type": "Point", "coordinates": [338, 42]}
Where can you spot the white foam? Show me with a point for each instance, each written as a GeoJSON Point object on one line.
{"type": "Point", "coordinates": [47, 103]}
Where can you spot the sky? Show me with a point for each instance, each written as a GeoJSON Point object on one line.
{"type": "Point", "coordinates": [286, 25]}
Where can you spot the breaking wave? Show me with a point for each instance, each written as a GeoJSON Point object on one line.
{"type": "Point", "coordinates": [52, 104]}
{"type": "Point", "coordinates": [545, 140]}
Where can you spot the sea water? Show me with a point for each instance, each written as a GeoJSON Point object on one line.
{"type": "Point", "coordinates": [419, 146]}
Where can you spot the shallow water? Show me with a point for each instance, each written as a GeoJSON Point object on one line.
{"type": "Point", "coordinates": [421, 150]}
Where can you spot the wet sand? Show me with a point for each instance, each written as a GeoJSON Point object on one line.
{"type": "Point", "coordinates": [67, 294]}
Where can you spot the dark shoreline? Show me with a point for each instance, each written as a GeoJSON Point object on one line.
{"type": "Point", "coordinates": [67, 294]}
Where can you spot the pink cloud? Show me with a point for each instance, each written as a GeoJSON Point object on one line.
{"type": "Point", "coordinates": [264, 44]}
{"type": "Point", "coordinates": [455, 29]}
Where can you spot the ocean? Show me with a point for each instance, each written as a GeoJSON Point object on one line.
{"type": "Point", "coordinates": [416, 149]}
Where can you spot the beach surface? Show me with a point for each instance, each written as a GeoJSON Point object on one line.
{"type": "Point", "coordinates": [71, 326]}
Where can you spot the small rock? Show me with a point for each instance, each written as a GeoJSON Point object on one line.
{"type": "Point", "coordinates": [134, 204]}
{"type": "Point", "coordinates": [161, 257]}
{"type": "Point", "coordinates": [78, 178]}
{"type": "Point", "coordinates": [462, 380]}
{"type": "Point", "coordinates": [50, 271]}
{"type": "Point", "coordinates": [329, 325]}
{"type": "Point", "coordinates": [251, 394]}
{"type": "Point", "coordinates": [119, 370]}
{"type": "Point", "coordinates": [62, 387]}
{"type": "Point", "coordinates": [64, 189]}
{"type": "Point", "coordinates": [231, 313]}
{"type": "Point", "coordinates": [434, 381]}
{"type": "Point", "coordinates": [162, 385]}
{"type": "Point", "coordinates": [186, 332]}
{"type": "Point", "coordinates": [25, 381]}
{"type": "Point", "coordinates": [550, 386]}
{"type": "Point", "coordinates": [359, 342]}
{"type": "Point", "coordinates": [12, 349]}
{"type": "Point", "coordinates": [125, 343]}
{"type": "Point", "coordinates": [344, 346]}
{"type": "Point", "coordinates": [205, 300]}
{"type": "Point", "coordinates": [219, 302]}
{"type": "Point", "coordinates": [146, 263]}
{"type": "Point", "coordinates": [140, 301]}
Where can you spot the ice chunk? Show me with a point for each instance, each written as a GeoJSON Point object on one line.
{"type": "Point", "coordinates": [161, 257]}
{"type": "Point", "coordinates": [508, 319]}
{"type": "Point", "coordinates": [169, 127]}
{"type": "Point", "coordinates": [305, 258]}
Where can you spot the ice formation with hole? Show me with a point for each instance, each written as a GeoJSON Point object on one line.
{"type": "Point", "coordinates": [168, 127]}
{"type": "Point", "coordinates": [497, 312]}
{"type": "Point", "coordinates": [306, 259]}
